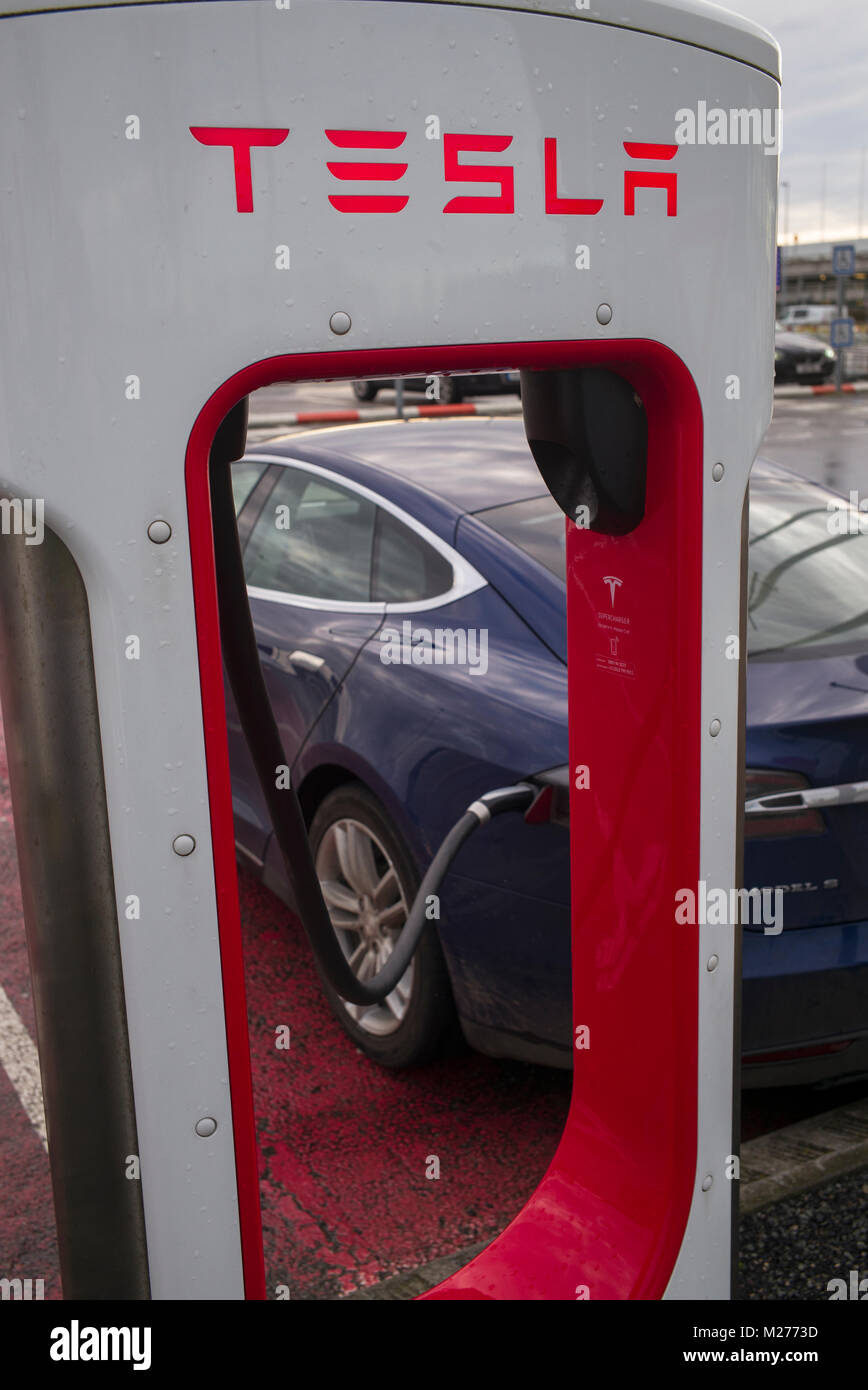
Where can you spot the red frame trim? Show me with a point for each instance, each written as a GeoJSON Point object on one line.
{"type": "Point", "coordinates": [590, 1221]}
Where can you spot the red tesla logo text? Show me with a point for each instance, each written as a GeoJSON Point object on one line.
{"type": "Point", "coordinates": [242, 140]}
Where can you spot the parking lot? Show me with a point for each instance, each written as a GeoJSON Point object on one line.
{"type": "Point", "coordinates": [345, 1147]}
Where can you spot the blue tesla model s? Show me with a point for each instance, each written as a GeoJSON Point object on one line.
{"type": "Point", "coordinates": [406, 582]}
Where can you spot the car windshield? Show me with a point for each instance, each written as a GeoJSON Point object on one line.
{"type": "Point", "coordinates": [807, 575]}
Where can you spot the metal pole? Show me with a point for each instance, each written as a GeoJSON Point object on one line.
{"type": "Point", "coordinates": [399, 397]}
{"type": "Point", "coordinates": [823, 207]}
{"type": "Point", "coordinates": [782, 292]}
{"type": "Point", "coordinates": [839, 360]}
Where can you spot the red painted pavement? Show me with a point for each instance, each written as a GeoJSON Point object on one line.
{"type": "Point", "coordinates": [344, 1144]}
{"type": "Point", "coordinates": [28, 1249]}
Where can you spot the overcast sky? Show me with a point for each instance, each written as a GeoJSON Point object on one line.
{"type": "Point", "coordinates": [824, 44]}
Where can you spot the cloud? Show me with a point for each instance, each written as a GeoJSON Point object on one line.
{"type": "Point", "coordinates": [825, 105]}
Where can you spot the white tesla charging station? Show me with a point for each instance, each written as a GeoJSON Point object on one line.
{"type": "Point", "coordinates": [202, 198]}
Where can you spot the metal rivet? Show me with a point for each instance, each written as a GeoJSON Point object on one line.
{"type": "Point", "coordinates": [340, 322]}
{"type": "Point", "coordinates": [714, 728]}
{"type": "Point", "coordinates": [183, 844]}
{"type": "Point", "coordinates": [706, 1182]}
{"type": "Point", "coordinates": [712, 963]}
{"type": "Point", "coordinates": [717, 472]}
{"type": "Point", "coordinates": [159, 532]}
{"type": "Point", "coordinates": [604, 313]}
{"type": "Point", "coordinates": [205, 1128]}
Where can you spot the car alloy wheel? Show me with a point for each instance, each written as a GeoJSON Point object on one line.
{"type": "Point", "coordinates": [368, 908]}
{"type": "Point", "coordinates": [370, 880]}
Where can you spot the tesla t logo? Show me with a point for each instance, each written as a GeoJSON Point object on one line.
{"type": "Point", "coordinates": [500, 178]}
{"type": "Point", "coordinates": [614, 583]}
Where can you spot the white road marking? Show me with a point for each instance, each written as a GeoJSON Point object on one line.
{"type": "Point", "coordinates": [20, 1061]}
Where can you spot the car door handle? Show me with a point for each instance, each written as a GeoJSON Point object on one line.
{"type": "Point", "coordinates": [846, 794]}
{"type": "Point", "coordinates": [305, 661]}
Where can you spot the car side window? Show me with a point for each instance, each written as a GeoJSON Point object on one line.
{"type": "Point", "coordinates": [245, 476]}
{"type": "Point", "coordinates": [406, 568]}
{"type": "Point", "coordinates": [313, 538]}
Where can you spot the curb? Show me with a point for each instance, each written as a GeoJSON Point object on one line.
{"type": "Point", "coordinates": [413, 1282]}
{"type": "Point", "coordinates": [803, 1155]}
{"type": "Point", "coordinates": [410, 412]}
{"type": "Point", "coordinates": [820, 390]}
{"type": "Point", "coordinates": [773, 1166]}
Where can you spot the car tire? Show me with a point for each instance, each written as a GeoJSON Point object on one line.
{"type": "Point", "coordinates": [365, 390]}
{"type": "Point", "coordinates": [355, 847]}
{"type": "Point", "coordinates": [450, 391]}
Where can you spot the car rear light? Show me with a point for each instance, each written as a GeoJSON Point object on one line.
{"type": "Point", "coordinates": [782, 816]}
{"type": "Point", "coordinates": [794, 1054]}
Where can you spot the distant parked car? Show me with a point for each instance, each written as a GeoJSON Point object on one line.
{"type": "Point", "coordinates": [801, 358]}
{"type": "Point", "coordinates": [444, 390]}
{"type": "Point", "coordinates": [403, 528]}
{"type": "Point", "coordinates": [799, 315]}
